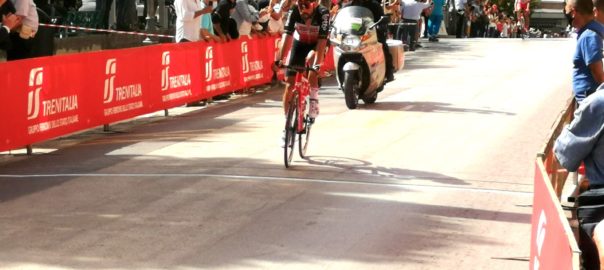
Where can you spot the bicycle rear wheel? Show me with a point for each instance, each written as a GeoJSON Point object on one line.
{"type": "Point", "coordinates": [290, 130]}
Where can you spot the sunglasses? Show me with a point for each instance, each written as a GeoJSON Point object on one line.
{"type": "Point", "coordinates": [305, 4]}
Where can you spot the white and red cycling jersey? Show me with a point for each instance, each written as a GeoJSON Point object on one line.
{"type": "Point", "coordinates": [308, 33]}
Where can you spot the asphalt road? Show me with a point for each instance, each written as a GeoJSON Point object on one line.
{"type": "Point", "coordinates": [436, 175]}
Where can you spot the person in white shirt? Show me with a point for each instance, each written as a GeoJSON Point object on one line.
{"type": "Point", "coordinates": [188, 19]}
{"type": "Point", "coordinates": [22, 37]}
{"type": "Point", "coordinates": [411, 10]}
{"type": "Point", "coordinates": [506, 28]}
{"type": "Point", "coordinates": [460, 16]}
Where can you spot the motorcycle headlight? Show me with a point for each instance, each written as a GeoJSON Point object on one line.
{"type": "Point", "coordinates": [352, 41]}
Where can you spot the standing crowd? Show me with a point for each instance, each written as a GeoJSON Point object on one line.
{"type": "Point", "coordinates": [228, 19]}
{"type": "Point", "coordinates": [472, 19]}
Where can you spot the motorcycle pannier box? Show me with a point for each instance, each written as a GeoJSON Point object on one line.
{"type": "Point", "coordinates": [398, 53]}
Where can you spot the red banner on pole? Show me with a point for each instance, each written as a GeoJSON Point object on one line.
{"type": "Point", "coordinates": [39, 102]}
{"type": "Point", "coordinates": [53, 96]}
{"type": "Point", "coordinates": [175, 73]}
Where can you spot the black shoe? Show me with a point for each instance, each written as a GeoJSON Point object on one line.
{"type": "Point", "coordinates": [389, 78]}
{"type": "Point", "coordinates": [418, 45]}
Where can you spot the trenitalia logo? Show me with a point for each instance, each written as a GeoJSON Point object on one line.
{"type": "Point", "coordinates": [110, 70]}
{"type": "Point", "coordinates": [244, 58]}
{"type": "Point", "coordinates": [209, 59]}
{"type": "Point", "coordinates": [165, 77]}
{"type": "Point", "coordinates": [36, 78]}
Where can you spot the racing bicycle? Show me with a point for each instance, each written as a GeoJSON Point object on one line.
{"type": "Point", "coordinates": [298, 122]}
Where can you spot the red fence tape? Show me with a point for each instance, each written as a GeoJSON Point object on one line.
{"type": "Point", "coordinates": [52, 96]}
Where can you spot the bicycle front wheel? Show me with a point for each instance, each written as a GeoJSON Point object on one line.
{"type": "Point", "coordinates": [290, 130]}
{"type": "Point", "coordinates": [304, 136]}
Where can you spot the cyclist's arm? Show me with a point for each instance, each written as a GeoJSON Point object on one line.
{"type": "Point", "coordinates": [289, 28]}
{"type": "Point", "coordinates": [323, 32]}
{"type": "Point", "coordinates": [320, 49]}
{"type": "Point", "coordinates": [286, 44]}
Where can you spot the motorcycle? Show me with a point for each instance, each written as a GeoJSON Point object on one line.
{"type": "Point", "coordinates": [358, 56]}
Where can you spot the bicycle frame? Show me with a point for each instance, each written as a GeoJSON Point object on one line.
{"type": "Point", "coordinates": [302, 86]}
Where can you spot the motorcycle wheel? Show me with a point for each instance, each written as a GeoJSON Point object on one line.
{"type": "Point", "coordinates": [350, 93]}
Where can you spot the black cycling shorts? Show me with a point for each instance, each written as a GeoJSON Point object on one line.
{"type": "Point", "coordinates": [297, 55]}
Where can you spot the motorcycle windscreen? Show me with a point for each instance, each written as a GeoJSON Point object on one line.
{"type": "Point", "coordinates": [353, 20]}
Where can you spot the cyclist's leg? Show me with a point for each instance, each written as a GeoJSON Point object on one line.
{"type": "Point", "coordinates": [289, 87]}
{"type": "Point", "coordinates": [313, 80]}
{"type": "Point", "coordinates": [296, 57]}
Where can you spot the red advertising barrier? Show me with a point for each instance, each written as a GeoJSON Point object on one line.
{"type": "Point", "coordinates": [552, 241]}
{"type": "Point", "coordinates": [52, 96]}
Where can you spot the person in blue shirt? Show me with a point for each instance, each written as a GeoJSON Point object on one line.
{"type": "Point", "coordinates": [582, 141]}
{"type": "Point", "coordinates": [435, 19]}
{"type": "Point", "coordinates": [587, 59]}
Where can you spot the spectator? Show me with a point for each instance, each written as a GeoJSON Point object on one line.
{"type": "Point", "coordinates": [275, 22]}
{"type": "Point", "coordinates": [587, 60]}
{"type": "Point", "coordinates": [460, 17]}
{"type": "Point", "coordinates": [22, 38]}
{"type": "Point", "coordinates": [266, 6]}
{"type": "Point", "coordinates": [224, 26]}
{"type": "Point", "coordinates": [411, 10]}
{"type": "Point", "coordinates": [126, 18]}
{"type": "Point", "coordinates": [479, 19]}
{"type": "Point", "coordinates": [9, 22]}
{"type": "Point", "coordinates": [188, 19]}
{"type": "Point", "coordinates": [506, 28]}
{"type": "Point", "coordinates": [246, 16]}
{"type": "Point", "coordinates": [206, 32]}
{"type": "Point", "coordinates": [582, 141]}
{"type": "Point", "coordinates": [435, 20]}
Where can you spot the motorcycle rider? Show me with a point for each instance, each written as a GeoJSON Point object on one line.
{"type": "Point", "coordinates": [382, 31]}
{"type": "Point", "coordinates": [306, 30]}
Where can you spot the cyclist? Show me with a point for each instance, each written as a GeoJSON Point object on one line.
{"type": "Point", "coordinates": [306, 30]}
{"type": "Point", "coordinates": [523, 8]}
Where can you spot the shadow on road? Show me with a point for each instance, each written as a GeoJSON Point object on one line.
{"type": "Point", "coordinates": [356, 166]}
{"type": "Point", "coordinates": [425, 107]}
